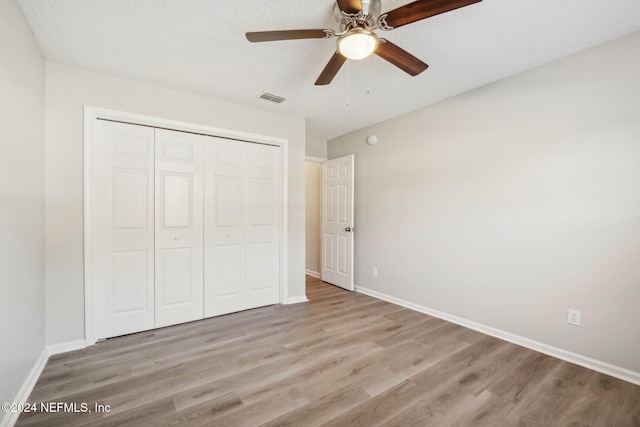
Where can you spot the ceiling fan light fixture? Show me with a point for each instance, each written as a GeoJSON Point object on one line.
{"type": "Point", "coordinates": [358, 43]}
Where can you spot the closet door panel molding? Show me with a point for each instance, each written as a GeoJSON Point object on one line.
{"type": "Point", "coordinates": [179, 228]}
{"type": "Point", "coordinates": [168, 241]}
{"type": "Point", "coordinates": [125, 232]}
{"type": "Point", "coordinates": [242, 226]}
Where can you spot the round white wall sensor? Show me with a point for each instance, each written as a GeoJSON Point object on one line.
{"type": "Point", "coordinates": [372, 140]}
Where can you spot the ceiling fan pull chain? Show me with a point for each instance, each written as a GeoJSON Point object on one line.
{"type": "Point", "coordinates": [348, 101]}
{"type": "Point", "coordinates": [368, 75]}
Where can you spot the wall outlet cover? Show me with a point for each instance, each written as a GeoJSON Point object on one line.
{"type": "Point", "coordinates": [574, 317]}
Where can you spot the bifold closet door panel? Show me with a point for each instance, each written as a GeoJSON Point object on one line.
{"type": "Point", "coordinates": [179, 228]}
{"type": "Point", "coordinates": [125, 237]}
{"type": "Point", "coordinates": [242, 225]}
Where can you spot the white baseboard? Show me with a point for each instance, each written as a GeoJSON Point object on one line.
{"type": "Point", "coordinates": [578, 359]}
{"type": "Point", "coordinates": [66, 346]}
{"type": "Point", "coordinates": [10, 418]}
{"type": "Point", "coordinates": [312, 273]}
{"type": "Point", "coordinates": [296, 300]}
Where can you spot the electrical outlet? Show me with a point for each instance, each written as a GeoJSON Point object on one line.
{"type": "Point", "coordinates": [375, 272]}
{"type": "Point", "coordinates": [574, 317]}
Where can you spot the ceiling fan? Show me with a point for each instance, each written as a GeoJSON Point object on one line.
{"type": "Point", "coordinates": [357, 20]}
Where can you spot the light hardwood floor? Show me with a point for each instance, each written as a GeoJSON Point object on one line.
{"type": "Point", "coordinates": [343, 359]}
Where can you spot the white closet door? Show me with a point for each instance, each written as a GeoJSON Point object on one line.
{"type": "Point", "coordinates": [179, 231]}
{"type": "Point", "coordinates": [125, 279]}
{"type": "Point", "coordinates": [242, 225]}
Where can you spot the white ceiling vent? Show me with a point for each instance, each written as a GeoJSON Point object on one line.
{"type": "Point", "coordinates": [273, 98]}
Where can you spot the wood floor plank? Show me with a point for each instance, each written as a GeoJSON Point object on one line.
{"type": "Point", "coordinates": [553, 398]}
{"type": "Point", "coordinates": [342, 359]}
{"type": "Point", "coordinates": [280, 402]}
{"type": "Point", "coordinates": [323, 409]}
{"type": "Point", "coordinates": [604, 400]}
{"type": "Point", "coordinates": [304, 373]}
{"type": "Point", "coordinates": [395, 402]}
{"type": "Point", "coordinates": [223, 373]}
{"type": "Point", "coordinates": [444, 393]}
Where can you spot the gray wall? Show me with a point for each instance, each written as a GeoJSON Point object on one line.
{"type": "Point", "coordinates": [22, 77]}
{"type": "Point", "coordinates": [68, 89]}
{"type": "Point", "coordinates": [510, 204]}
{"type": "Point", "coordinates": [316, 147]}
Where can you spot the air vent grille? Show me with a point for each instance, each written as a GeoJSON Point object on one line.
{"type": "Point", "coordinates": [273, 98]}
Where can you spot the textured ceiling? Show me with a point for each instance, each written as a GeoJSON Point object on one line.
{"type": "Point", "coordinates": [199, 46]}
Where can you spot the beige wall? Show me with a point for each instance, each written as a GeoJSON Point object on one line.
{"type": "Point", "coordinates": [312, 233]}
{"type": "Point", "coordinates": [509, 204]}
{"type": "Point", "coordinates": [67, 90]}
{"type": "Point", "coordinates": [22, 117]}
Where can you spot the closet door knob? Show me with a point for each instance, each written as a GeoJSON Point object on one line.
{"type": "Point", "coordinates": [176, 238]}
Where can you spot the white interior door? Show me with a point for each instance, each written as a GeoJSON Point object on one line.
{"type": "Point", "coordinates": [179, 230]}
{"type": "Point", "coordinates": [125, 273]}
{"type": "Point", "coordinates": [242, 225]}
{"type": "Point", "coordinates": [337, 221]}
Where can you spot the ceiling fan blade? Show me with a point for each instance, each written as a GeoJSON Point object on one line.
{"type": "Point", "coordinates": [268, 36]}
{"type": "Point", "coordinates": [421, 9]}
{"type": "Point", "coordinates": [400, 58]}
{"type": "Point", "coordinates": [331, 69]}
{"type": "Point", "coordinates": [350, 6]}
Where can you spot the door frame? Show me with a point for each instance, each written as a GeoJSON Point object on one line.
{"type": "Point", "coordinates": [91, 114]}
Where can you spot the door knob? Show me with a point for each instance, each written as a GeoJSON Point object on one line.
{"type": "Point", "coordinates": [176, 238]}
{"type": "Point", "coordinates": [350, 229]}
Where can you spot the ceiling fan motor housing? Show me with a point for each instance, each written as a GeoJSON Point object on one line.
{"type": "Point", "coordinates": [366, 18]}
